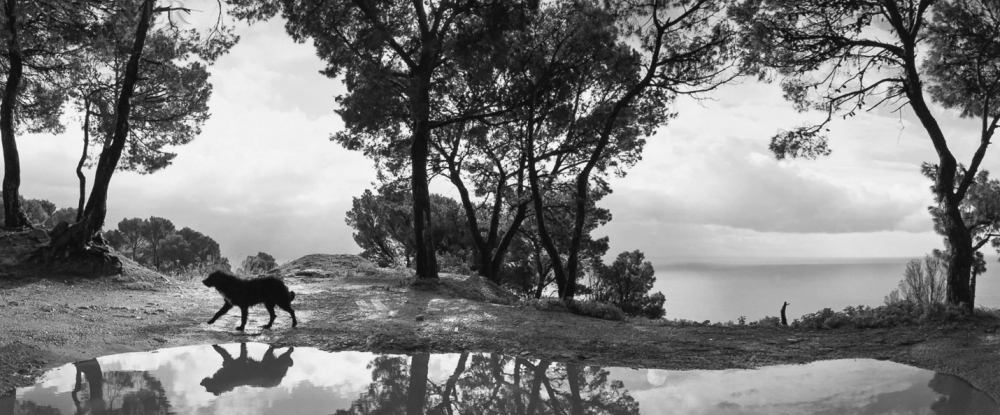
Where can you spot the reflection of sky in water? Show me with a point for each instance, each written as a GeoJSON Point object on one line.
{"type": "Point", "coordinates": [316, 382]}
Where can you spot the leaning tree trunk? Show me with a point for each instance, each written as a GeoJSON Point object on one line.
{"type": "Point", "coordinates": [420, 102]}
{"type": "Point", "coordinates": [13, 214]}
{"type": "Point", "coordinates": [76, 238]}
{"type": "Point", "coordinates": [83, 159]}
{"type": "Point", "coordinates": [97, 207]}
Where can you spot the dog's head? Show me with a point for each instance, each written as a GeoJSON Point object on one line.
{"type": "Point", "coordinates": [215, 279]}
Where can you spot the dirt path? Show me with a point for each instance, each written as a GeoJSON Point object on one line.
{"type": "Point", "coordinates": [343, 303]}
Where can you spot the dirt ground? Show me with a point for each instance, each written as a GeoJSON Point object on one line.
{"type": "Point", "coordinates": [344, 303]}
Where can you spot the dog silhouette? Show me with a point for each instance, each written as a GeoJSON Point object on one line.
{"type": "Point", "coordinates": [244, 371]}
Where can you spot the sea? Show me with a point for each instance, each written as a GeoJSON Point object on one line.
{"type": "Point", "coordinates": [725, 289]}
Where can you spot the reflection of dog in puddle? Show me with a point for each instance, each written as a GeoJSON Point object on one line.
{"type": "Point", "coordinates": [244, 371]}
{"type": "Point", "coordinates": [247, 293]}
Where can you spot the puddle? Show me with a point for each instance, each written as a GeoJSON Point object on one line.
{"type": "Point", "coordinates": [253, 378]}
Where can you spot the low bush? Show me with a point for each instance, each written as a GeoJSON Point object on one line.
{"type": "Point", "coordinates": [901, 313]}
{"type": "Point", "coordinates": [603, 311]}
{"type": "Point", "coordinates": [767, 321]}
{"type": "Point", "coordinates": [595, 309]}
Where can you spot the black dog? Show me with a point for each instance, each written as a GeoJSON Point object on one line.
{"type": "Point", "coordinates": [246, 293]}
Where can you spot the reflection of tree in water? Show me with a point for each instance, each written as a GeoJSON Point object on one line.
{"type": "Point", "coordinates": [118, 392]}
{"type": "Point", "coordinates": [490, 384]}
{"type": "Point", "coordinates": [960, 398]}
{"type": "Point", "coordinates": [27, 408]}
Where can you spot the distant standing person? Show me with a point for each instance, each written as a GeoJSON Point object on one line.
{"type": "Point", "coordinates": [784, 321]}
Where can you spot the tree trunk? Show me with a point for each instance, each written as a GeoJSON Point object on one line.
{"type": "Point", "coordinates": [960, 241]}
{"type": "Point", "coordinates": [575, 380]}
{"type": "Point", "coordinates": [83, 159]}
{"type": "Point", "coordinates": [97, 207]}
{"type": "Point", "coordinates": [536, 386]}
{"type": "Point", "coordinates": [445, 406]}
{"type": "Point", "coordinates": [416, 391]}
{"type": "Point", "coordinates": [972, 291]}
{"type": "Point", "coordinates": [92, 372]}
{"type": "Point", "coordinates": [961, 260]}
{"type": "Point", "coordinates": [77, 238]}
{"type": "Point", "coordinates": [536, 198]}
{"type": "Point", "coordinates": [13, 214]}
{"type": "Point", "coordinates": [518, 400]}
{"type": "Point", "coordinates": [420, 102]}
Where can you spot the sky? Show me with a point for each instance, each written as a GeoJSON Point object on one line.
{"type": "Point", "coordinates": [263, 175]}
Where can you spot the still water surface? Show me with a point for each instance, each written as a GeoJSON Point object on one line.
{"type": "Point", "coordinates": [725, 289]}
{"type": "Point", "coordinates": [253, 378]}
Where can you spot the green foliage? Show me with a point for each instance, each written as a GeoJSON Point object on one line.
{"type": "Point", "coordinates": [155, 242]}
{"type": "Point", "coordinates": [898, 314]}
{"type": "Point", "coordinates": [767, 321]}
{"type": "Point", "coordinates": [67, 215]}
{"type": "Point", "coordinates": [597, 309]}
{"type": "Point", "coordinates": [155, 230]}
{"type": "Point", "coordinates": [529, 268]}
{"type": "Point", "coordinates": [384, 229]}
{"type": "Point", "coordinates": [170, 101]}
{"type": "Point", "coordinates": [258, 264]}
{"type": "Point", "coordinates": [188, 248]}
{"type": "Point", "coordinates": [43, 213]}
{"type": "Point", "coordinates": [964, 36]}
{"type": "Point", "coordinates": [131, 233]}
{"type": "Point", "coordinates": [626, 284]}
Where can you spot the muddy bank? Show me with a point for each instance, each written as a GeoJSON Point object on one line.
{"type": "Point", "coordinates": [345, 303]}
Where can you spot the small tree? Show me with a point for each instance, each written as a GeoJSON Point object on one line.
{"type": "Point", "coordinates": [131, 233]}
{"type": "Point", "coordinates": [155, 230]}
{"type": "Point", "coordinates": [384, 227]}
{"type": "Point", "coordinates": [67, 215]}
{"type": "Point", "coordinates": [626, 284]}
{"type": "Point", "coordinates": [258, 264]}
{"type": "Point", "coordinates": [923, 282]}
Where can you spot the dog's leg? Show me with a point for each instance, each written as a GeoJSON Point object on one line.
{"type": "Point", "coordinates": [288, 307]}
{"type": "Point", "coordinates": [222, 311]}
{"type": "Point", "coordinates": [270, 311]}
{"type": "Point", "coordinates": [243, 318]}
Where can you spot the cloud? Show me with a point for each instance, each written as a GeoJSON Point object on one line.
{"type": "Point", "coordinates": [733, 182]}
{"type": "Point", "coordinates": [262, 176]}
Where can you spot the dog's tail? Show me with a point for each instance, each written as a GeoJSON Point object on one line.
{"type": "Point", "coordinates": [291, 296]}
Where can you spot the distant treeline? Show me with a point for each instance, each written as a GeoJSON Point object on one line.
{"type": "Point", "coordinates": [157, 243]}
{"type": "Point", "coordinates": [41, 212]}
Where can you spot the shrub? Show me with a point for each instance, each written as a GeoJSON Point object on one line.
{"type": "Point", "coordinates": [923, 283]}
{"type": "Point", "coordinates": [766, 321]}
{"type": "Point", "coordinates": [903, 313]}
{"type": "Point", "coordinates": [597, 309]}
{"type": "Point", "coordinates": [626, 283]}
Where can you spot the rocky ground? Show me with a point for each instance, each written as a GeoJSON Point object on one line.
{"type": "Point", "coordinates": [345, 303]}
